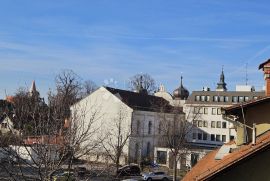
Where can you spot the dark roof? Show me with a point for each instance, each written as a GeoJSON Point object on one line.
{"type": "Point", "coordinates": [235, 108]}
{"type": "Point", "coordinates": [143, 102]}
{"type": "Point", "coordinates": [262, 64]}
{"type": "Point", "coordinates": [208, 167]}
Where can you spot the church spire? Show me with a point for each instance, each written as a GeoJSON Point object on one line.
{"type": "Point", "coordinates": [33, 88]}
{"type": "Point", "coordinates": [221, 86]}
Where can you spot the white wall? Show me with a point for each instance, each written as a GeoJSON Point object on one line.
{"type": "Point", "coordinates": [106, 108]}
{"type": "Point", "coordinates": [32, 154]}
{"type": "Point", "coordinates": [208, 117]}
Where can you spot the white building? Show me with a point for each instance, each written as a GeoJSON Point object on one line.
{"type": "Point", "coordinates": [6, 125]}
{"type": "Point", "coordinates": [211, 130]}
{"type": "Point", "coordinates": [141, 113]}
{"type": "Point", "coordinates": [203, 110]}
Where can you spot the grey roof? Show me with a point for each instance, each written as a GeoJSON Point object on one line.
{"type": "Point", "coordinates": [228, 94]}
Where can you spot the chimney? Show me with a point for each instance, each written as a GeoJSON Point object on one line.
{"type": "Point", "coordinates": [266, 69]}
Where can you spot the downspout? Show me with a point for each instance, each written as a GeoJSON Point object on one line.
{"type": "Point", "coordinates": [254, 134]}
{"type": "Point", "coordinates": [131, 135]}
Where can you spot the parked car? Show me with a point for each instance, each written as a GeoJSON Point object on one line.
{"type": "Point", "coordinates": [155, 176]}
{"type": "Point", "coordinates": [129, 170]}
{"type": "Point", "coordinates": [64, 176]}
{"type": "Point", "coordinates": [80, 171]}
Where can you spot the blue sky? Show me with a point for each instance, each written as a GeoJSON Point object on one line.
{"type": "Point", "coordinates": [115, 39]}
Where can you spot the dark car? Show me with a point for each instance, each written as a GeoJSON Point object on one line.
{"type": "Point", "coordinates": [129, 170]}
{"type": "Point", "coordinates": [80, 171]}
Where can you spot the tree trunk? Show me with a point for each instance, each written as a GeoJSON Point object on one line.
{"type": "Point", "coordinates": [174, 168]}
{"type": "Point", "coordinates": [117, 164]}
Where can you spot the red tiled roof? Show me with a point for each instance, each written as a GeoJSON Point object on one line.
{"type": "Point", "coordinates": [208, 166]}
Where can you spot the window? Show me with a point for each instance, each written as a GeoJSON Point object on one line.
{"type": "Point", "coordinates": [213, 137]}
{"type": "Point", "coordinates": [224, 125]}
{"type": "Point", "coordinates": [149, 127]}
{"type": "Point", "coordinates": [217, 137]}
{"type": "Point", "coordinates": [246, 98]}
{"type": "Point", "coordinates": [207, 98]}
{"type": "Point", "coordinates": [215, 98]}
{"type": "Point", "coordinates": [213, 124]}
{"type": "Point", "coordinates": [194, 136]}
{"type": "Point", "coordinates": [197, 98]}
{"type": "Point", "coordinates": [148, 148]}
{"type": "Point", "coordinates": [159, 127]}
{"type": "Point", "coordinates": [241, 99]}
{"type": "Point", "coordinates": [205, 124]}
{"type": "Point", "coordinates": [200, 123]}
{"type": "Point", "coordinates": [221, 98]}
{"type": "Point", "coordinates": [196, 110]}
{"type": "Point", "coordinates": [136, 152]}
{"type": "Point", "coordinates": [195, 122]}
{"type": "Point", "coordinates": [4, 125]}
{"type": "Point", "coordinates": [161, 157]}
{"type": "Point", "coordinates": [214, 111]}
{"type": "Point", "coordinates": [218, 124]}
{"type": "Point", "coordinates": [138, 126]}
{"type": "Point", "coordinates": [223, 138]}
{"type": "Point", "coordinates": [203, 98]}
{"type": "Point", "coordinates": [234, 99]}
{"type": "Point", "coordinates": [199, 136]}
{"type": "Point", "coordinates": [231, 138]}
{"type": "Point", "coordinates": [194, 159]}
{"type": "Point", "coordinates": [205, 110]}
{"type": "Point", "coordinates": [255, 97]}
{"type": "Point", "coordinates": [226, 98]}
{"type": "Point", "coordinates": [204, 136]}
{"type": "Point", "coordinates": [219, 111]}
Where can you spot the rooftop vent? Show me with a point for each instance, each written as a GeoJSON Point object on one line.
{"type": "Point", "coordinates": [206, 89]}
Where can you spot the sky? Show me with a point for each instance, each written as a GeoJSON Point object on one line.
{"type": "Point", "coordinates": [108, 41]}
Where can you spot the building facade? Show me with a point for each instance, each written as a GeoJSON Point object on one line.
{"type": "Point", "coordinates": [203, 109]}
{"type": "Point", "coordinates": [141, 117]}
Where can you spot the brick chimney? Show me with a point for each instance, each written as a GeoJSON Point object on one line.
{"type": "Point", "coordinates": [266, 69]}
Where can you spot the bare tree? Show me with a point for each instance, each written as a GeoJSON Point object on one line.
{"type": "Point", "coordinates": [117, 138]}
{"type": "Point", "coordinates": [144, 80]}
{"type": "Point", "coordinates": [176, 131]}
{"type": "Point", "coordinates": [68, 87]}
{"type": "Point", "coordinates": [88, 87]}
{"type": "Point", "coordinates": [43, 145]}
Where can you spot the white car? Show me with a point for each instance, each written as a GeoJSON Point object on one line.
{"type": "Point", "coordinates": [155, 176]}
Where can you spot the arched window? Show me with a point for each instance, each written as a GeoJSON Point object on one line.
{"type": "Point", "coordinates": [159, 127]}
{"type": "Point", "coordinates": [136, 153]}
{"type": "Point", "coordinates": [148, 148]}
{"type": "Point", "coordinates": [138, 127]}
{"type": "Point", "coordinates": [149, 127]}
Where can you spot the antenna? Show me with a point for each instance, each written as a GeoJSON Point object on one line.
{"type": "Point", "coordinates": [246, 74]}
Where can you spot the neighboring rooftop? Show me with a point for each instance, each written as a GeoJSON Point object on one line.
{"type": "Point", "coordinates": [140, 101]}
{"type": "Point", "coordinates": [210, 167]}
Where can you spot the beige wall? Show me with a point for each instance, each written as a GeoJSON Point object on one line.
{"type": "Point", "coordinates": [259, 114]}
